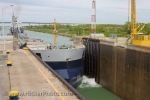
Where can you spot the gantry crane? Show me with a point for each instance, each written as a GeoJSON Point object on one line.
{"type": "Point", "coordinates": [136, 37]}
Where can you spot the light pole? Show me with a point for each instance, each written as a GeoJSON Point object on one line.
{"type": "Point", "coordinates": [3, 32]}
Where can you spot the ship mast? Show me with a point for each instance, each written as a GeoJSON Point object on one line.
{"type": "Point", "coordinates": [55, 33]}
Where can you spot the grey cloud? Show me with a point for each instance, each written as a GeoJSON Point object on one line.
{"type": "Point", "coordinates": [78, 10]}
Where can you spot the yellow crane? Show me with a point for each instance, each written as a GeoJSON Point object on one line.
{"type": "Point", "coordinates": [55, 33]}
{"type": "Point", "coordinates": [136, 37]}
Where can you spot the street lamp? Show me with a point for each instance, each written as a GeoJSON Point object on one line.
{"type": "Point", "coordinates": [3, 32]}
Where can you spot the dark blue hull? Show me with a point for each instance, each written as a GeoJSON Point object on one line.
{"type": "Point", "coordinates": [71, 71]}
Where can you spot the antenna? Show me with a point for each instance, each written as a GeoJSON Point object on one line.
{"type": "Point", "coordinates": [93, 17]}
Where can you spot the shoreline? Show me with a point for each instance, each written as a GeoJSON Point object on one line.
{"type": "Point", "coordinates": [61, 34]}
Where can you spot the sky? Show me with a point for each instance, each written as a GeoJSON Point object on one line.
{"type": "Point", "coordinates": [72, 11]}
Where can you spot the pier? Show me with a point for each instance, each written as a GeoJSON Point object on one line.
{"type": "Point", "coordinates": [31, 77]}
{"type": "Point", "coordinates": [123, 70]}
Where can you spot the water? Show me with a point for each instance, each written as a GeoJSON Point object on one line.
{"type": "Point", "coordinates": [6, 30]}
{"type": "Point", "coordinates": [89, 83]}
{"type": "Point", "coordinates": [93, 91]}
{"type": "Point", "coordinates": [97, 93]}
{"type": "Point", "coordinates": [49, 38]}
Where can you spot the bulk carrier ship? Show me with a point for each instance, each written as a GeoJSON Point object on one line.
{"type": "Point", "coordinates": [65, 60]}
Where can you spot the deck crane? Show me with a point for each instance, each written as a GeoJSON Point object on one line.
{"type": "Point", "coordinates": [136, 37]}
{"type": "Point", "coordinates": [55, 33]}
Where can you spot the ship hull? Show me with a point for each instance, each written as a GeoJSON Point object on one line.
{"type": "Point", "coordinates": [66, 62]}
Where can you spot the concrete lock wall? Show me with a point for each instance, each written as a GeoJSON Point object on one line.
{"type": "Point", "coordinates": [124, 71]}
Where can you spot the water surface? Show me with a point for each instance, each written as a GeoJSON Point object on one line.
{"type": "Point", "coordinates": [49, 37]}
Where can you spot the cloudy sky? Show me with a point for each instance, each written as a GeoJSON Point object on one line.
{"type": "Point", "coordinates": [73, 11]}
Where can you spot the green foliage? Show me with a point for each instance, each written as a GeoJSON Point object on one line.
{"type": "Point", "coordinates": [146, 29]}
{"type": "Point", "coordinates": [84, 29]}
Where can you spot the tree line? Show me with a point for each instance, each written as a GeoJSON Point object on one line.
{"type": "Point", "coordinates": [85, 29]}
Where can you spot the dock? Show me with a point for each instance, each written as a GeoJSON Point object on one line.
{"type": "Point", "coordinates": [31, 78]}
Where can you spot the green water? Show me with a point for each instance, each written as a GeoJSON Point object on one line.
{"type": "Point", "coordinates": [97, 94]}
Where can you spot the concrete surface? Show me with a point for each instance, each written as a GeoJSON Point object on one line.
{"type": "Point", "coordinates": [31, 79]}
